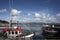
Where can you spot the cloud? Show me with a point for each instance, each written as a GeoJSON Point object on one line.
{"type": "Point", "coordinates": [37, 19]}
{"type": "Point", "coordinates": [15, 12]}
{"type": "Point", "coordinates": [43, 17]}
{"type": "Point", "coordinates": [3, 10]}
{"type": "Point", "coordinates": [58, 14]}
{"type": "Point", "coordinates": [48, 15]}
{"type": "Point", "coordinates": [37, 15]}
{"type": "Point", "coordinates": [29, 14]}
{"type": "Point", "coordinates": [14, 18]}
{"type": "Point", "coordinates": [58, 17]}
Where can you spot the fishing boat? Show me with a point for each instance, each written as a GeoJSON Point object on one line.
{"type": "Point", "coordinates": [16, 32]}
{"type": "Point", "coordinates": [48, 30]}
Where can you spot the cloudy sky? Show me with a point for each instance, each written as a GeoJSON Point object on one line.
{"type": "Point", "coordinates": [31, 10]}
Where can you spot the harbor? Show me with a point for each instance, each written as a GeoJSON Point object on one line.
{"type": "Point", "coordinates": [29, 19]}
{"type": "Point", "coordinates": [48, 31]}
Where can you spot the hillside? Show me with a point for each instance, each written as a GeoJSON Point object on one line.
{"type": "Point", "coordinates": [3, 23]}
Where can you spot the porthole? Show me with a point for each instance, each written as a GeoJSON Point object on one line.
{"type": "Point", "coordinates": [12, 32]}
{"type": "Point", "coordinates": [16, 32]}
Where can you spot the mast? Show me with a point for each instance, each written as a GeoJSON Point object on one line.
{"type": "Point", "coordinates": [10, 7]}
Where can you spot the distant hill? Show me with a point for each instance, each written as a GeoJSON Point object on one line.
{"type": "Point", "coordinates": [6, 23]}
{"type": "Point", "coordinates": [3, 21]}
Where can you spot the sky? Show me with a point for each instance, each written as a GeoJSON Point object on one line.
{"type": "Point", "coordinates": [47, 11]}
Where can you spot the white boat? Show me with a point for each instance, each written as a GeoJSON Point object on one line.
{"type": "Point", "coordinates": [17, 33]}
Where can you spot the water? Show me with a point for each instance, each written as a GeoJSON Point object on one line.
{"type": "Point", "coordinates": [36, 28]}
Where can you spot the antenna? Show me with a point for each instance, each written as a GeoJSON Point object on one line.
{"type": "Point", "coordinates": [11, 4]}
{"type": "Point", "coordinates": [10, 7]}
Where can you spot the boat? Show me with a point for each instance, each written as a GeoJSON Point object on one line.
{"type": "Point", "coordinates": [48, 30]}
{"type": "Point", "coordinates": [16, 32]}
